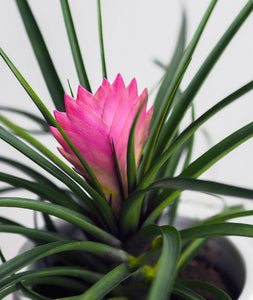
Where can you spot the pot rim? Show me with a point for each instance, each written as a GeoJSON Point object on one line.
{"type": "Point", "coordinates": [244, 247]}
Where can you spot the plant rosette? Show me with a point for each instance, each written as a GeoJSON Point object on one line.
{"type": "Point", "coordinates": [120, 173]}
{"type": "Point", "coordinates": [230, 255]}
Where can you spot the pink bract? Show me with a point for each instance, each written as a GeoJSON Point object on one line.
{"type": "Point", "coordinates": [92, 122]}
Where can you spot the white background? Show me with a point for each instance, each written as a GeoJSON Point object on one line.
{"type": "Point", "coordinates": [135, 33]}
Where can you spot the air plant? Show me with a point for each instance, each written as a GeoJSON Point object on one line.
{"type": "Point", "coordinates": [121, 178]}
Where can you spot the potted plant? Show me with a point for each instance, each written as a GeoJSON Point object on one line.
{"type": "Point", "coordinates": [118, 236]}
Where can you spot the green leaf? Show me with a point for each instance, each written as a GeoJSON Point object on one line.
{"type": "Point", "coordinates": [166, 269]}
{"type": "Point", "coordinates": [186, 293]}
{"type": "Point", "coordinates": [2, 257]}
{"type": "Point", "coordinates": [119, 177]}
{"type": "Point", "coordinates": [220, 229]}
{"type": "Point", "coordinates": [73, 41]}
{"type": "Point", "coordinates": [37, 101]}
{"type": "Point", "coordinates": [8, 189]}
{"type": "Point", "coordinates": [31, 116]}
{"type": "Point", "coordinates": [201, 164]}
{"type": "Point", "coordinates": [174, 206]}
{"type": "Point", "coordinates": [8, 291]}
{"type": "Point", "coordinates": [43, 57]}
{"type": "Point", "coordinates": [28, 292]}
{"type": "Point", "coordinates": [62, 213]}
{"type": "Point", "coordinates": [131, 161]}
{"type": "Point", "coordinates": [131, 205]}
{"type": "Point", "coordinates": [190, 252]}
{"type": "Point", "coordinates": [155, 133]}
{"type": "Point", "coordinates": [170, 71]}
{"type": "Point", "coordinates": [179, 183]}
{"type": "Point", "coordinates": [101, 39]}
{"type": "Point", "coordinates": [187, 133]}
{"type": "Point", "coordinates": [7, 221]}
{"type": "Point", "coordinates": [201, 75]}
{"type": "Point", "coordinates": [186, 57]}
{"type": "Point", "coordinates": [42, 190]}
{"type": "Point", "coordinates": [28, 257]}
{"type": "Point", "coordinates": [227, 216]}
{"type": "Point", "coordinates": [191, 47]}
{"type": "Point", "coordinates": [28, 171]}
{"type": "Point", "coordinates": [191, 142]}
{"type": "Point", "coordinates": [34, 234]}
{"type": "Point", "coordinates": [77, 272]}
{"type": "Point", "coordinates": [218, 151]}
{"type": "Point", "coordinates": [203, 286]}
{"type": "Point", "coordinates": [106, 284]}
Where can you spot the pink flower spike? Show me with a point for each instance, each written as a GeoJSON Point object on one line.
{"type": "Point", "coordinates": [92, 122]}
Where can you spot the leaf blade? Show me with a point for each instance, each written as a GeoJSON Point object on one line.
{"type": "Point", "coordinates": [62, 213]}
{"type": "Point", "coordinates": [161, 288]}
{"type": "Point", "coordinates": [41, 52]}
{"type": "Point", "coordinates": [73, 41]}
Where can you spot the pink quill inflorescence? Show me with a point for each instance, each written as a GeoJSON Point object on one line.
{"type": "Point", "coordinates": [92, 122]}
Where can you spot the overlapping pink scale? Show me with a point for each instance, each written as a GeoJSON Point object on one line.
{"type": "Point", "coordinates": [92, 122]}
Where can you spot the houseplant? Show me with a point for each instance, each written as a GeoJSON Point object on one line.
{"type": "Point", "coordinates": [123, 251]}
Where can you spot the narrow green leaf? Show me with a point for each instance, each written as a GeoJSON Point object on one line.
{"type": "Point", "coordinates": [31, 116]}
{"type": "Point", "coordinates": [34, 234]}
{"type": "Point", "coordinates": [201, 75]}
{"type": "Point", "coordinates": [62, 213]}
{"type": "Point", "coordinates": [220, 229]}
{"type": "Point", "coordinates": [73, 41]}
{"type": "Point", "coordinates": [106, 284]}
{"type": "Point", "coordinates": [131, 204]}
{"type": "Point", "coordinates": [174, 206]}
{"type": "Point", "coordinates": [89, 276]}
{"type": "Point", "coordinates": [227, 216]}
{"type": "Point", "coordinates": [190, 252]}
{"type": "Point", "coordinates": [101, 39]}
{"type": "Point", "coordinates": [169, 168]}
{"type": "Point", "coordinates": [218, 151]}
{"type": "Point", "coordinates": [179, 183]}
{"type": "Point", "coordinates": [170, 70]}
{"type": "Point", "coordinates": [191, 143]}
{"type": "Point", "coordinates": [154, 135]}
{"type": "Point", "coordinates": [42, 190]}
{"type": "Point", "coordinates": [2, 257]}
{"type": "Point", "coordinates": [37, 101]}
{"type": "Point", "coordinates": [201, 164]}
{"type": "Point", "coordinates": [131, 161]}
{"type": "Point", "coordinates": [166, 270]}
{"type": "Point", "coordinates": [187, 133]}
{"type": "Point", "coordinates": [7, 221]}
{"type": "Point", "coordinates": [186, 293]}
{"type": "Point", "coordinates": [191, 47]}
{"type": "Point", "coordinates": [31, 294]}
{"type": "Point", "coordinates": [31, 172]}
{"type": "Point", "coordinates": [39, 252]}
{"type": "Point", "coordinates": [204, 286]}
{"type": "Point", "coordinates": [8, 291]}
{"type": "Point", "coordinates": [70, 89]}
{"type": "Point", "coordinates": [59, 281]}
{"type": "Point", "coordinates": [41, 52]}
{"type": "Point", "coordinates": [8, 189]}
{"type": "Point", "coordinates": [119, 177]}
